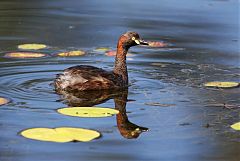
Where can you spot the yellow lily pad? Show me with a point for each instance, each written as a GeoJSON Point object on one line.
{"type": "Point", "coordinates": [222, 84]}
{"type": "Point", "coordinates": [32, 46]}
{"type": "Point", "coordinates": [72, 53]}
{"type": "Point", "coordinates": [102, 49]}
{"type": "Point", "coordinates": [24, 55]}
{"type": "Point", "coordinates": [88, 111]}
{"type": "Point", "coordinates": [236, 126]}
{"type": "Point", "coordinates": [3, 101]}
{"type": "Point", "coordinates": [61, 134]}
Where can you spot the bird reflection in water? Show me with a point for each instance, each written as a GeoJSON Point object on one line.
{"type": "Point", "coordinates": [126, 128]}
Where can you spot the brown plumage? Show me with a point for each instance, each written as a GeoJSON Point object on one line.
{"type": "Point", "coordinates": [84, 77]}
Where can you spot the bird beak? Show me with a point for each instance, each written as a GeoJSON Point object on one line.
{"type": "Point", "coordinates": [141, 42]}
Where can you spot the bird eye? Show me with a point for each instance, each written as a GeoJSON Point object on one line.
{"type": "Point", "coordinates": [133, 38]}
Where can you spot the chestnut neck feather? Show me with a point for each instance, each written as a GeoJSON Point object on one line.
{"type": "Point", "coordinates": [120, 62]}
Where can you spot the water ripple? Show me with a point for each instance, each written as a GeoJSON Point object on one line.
{"type": "Point", "coordinates": [34, 85]}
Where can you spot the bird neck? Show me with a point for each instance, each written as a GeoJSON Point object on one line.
{"type": "Point", "coordinates": [120, 62]}
{"type": "Point", "coordinates": [120, 104]}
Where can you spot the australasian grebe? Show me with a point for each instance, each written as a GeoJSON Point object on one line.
{"type": "Point", "coordinates": [84, 77]}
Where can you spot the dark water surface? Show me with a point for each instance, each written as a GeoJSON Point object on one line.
{"type": "Point", "coordinates": [192, 125]}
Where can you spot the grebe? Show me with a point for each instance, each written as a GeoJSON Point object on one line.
{"type": "Point", "coordinates": [84, 77]}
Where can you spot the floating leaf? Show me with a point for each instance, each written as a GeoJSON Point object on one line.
{"type": "Point", "coordinates": [45, 134]}
{"type": "Point", "coordinates": [102, 49]}
{"type": "Point", "coordinates": [79, 134]}
{"type": "Point", "coordinates": [72, 53]}
{"type": "Point", "coordinates": [236, 126]}
{"type": "Point", "coordinates": [157, 44]}
{"type": "Point", "coordinates": [32, 46]}
{"type": "Point", "coordinates": [24, 55]}
{"type": "Point", "coordinates": [88, 111]}
{"type": "Point", "coordinates": [113, 53]}
{"type": "Point", "coordinates": [61, 134]}
{"type": "Point", "coordinates": [222, 84]}
{"type": "Point", "coordinates": [3, 101]}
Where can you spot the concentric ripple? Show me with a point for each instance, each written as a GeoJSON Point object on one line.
{"type": "Point", "coordinates": [27, 84]}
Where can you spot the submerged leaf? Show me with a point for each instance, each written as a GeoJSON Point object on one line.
{"type": "Point", "coordinates": [222, 84]}
{"type": "Point", "coordinates": [159, 64]}
{"type": "Point", "coordinates": [157, 44]}
{"type": "Point", "coordinates": [32, 46]}
{"type": "Point", "coordinates": [113, 53]}
{"type": "Point", "coordinates": [236, 126]}
{"type": "Point", "coordinates": [24, 55]}
{"type": "Point", "coordinates": [61, 134]}
{"type": "Point", "coordinates": [72, 53]}
{"type": "Point", "coordinates": [88, 111]}
{"type": "Point", "coordinates": [3, 101]}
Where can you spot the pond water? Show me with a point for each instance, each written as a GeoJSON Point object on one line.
{"type": "Point", "coordinates": [185, 121]}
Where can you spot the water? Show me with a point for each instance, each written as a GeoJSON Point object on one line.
{"type": "Point", "coordinates": [205, 47]}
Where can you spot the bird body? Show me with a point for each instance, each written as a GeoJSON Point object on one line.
{"type": "Point", "coordinates": [84, 77]}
